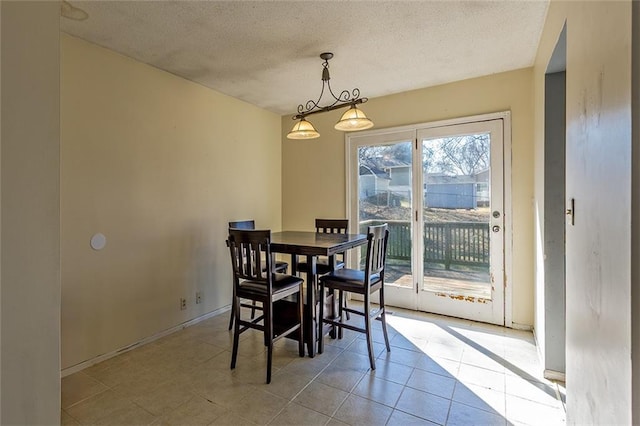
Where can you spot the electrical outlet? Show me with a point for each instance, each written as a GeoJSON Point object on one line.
{"type": "Point", "coordinates": [198, 297]}
{"type": "Point", "coordinates": [183, 303]}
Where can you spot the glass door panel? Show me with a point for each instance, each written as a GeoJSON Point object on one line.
{"type": "Point", "coordinates": [462, 221]}
{"type": "Point", "coordinates": [456, 212]}
{"type": "Point", "coordinates": [384, 188]}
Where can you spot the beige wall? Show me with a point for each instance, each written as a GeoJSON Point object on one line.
{"type": "Point", "coordinates": [598, 173]}
{"type": "Point", "coordinates": [30, 243]}
{"type": "Point", "coordinates": [159, 165]}
{"type": "Point", "coordinates": [313, 172]}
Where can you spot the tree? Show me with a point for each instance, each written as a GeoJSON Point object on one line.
{"type": "Point", "coordinates": [461, 155]}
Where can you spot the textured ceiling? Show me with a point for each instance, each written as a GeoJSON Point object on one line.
{"type": "Point", "coordinates": [267, 52]}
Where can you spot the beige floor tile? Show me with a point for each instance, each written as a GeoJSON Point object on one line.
{"type": "Point", "coordinates": [329, 355]}
{"type": "Point", "coordinates": [407, 342]}
{"type": "Point", "coordinates": [534, 391]}
{"type": "Point", "coordinates": [259, 406]}
{"type": "Point", "coordinates": [142, 383]}
{"type": "Point", "coordinates": [351, 361]}
{"type": "Point", "coordinates": [295, 415]}
{"type": "Point", "coordinates": [336, 422]}
{"type": "Point", "coordinates": [67, 420]}
{"type": "Point", "coordinates": [79, 386]}
{"type": "Point", "coordinates": [116, 373]}
{"type": "Point", "coordinates": [127, 416]}
{"type": "Point", "coordinates": [532, 413]}
{"type": "Point", "coordinates": [470, 374]}
{"type": "Point", "coordinates": [464, 415]}
{"type": "Point", "coordinates": [109, 408]}
{"type": "Point", "coordinates": [490, 373]}
{"type": "Point", "coordinates": [400, 418]}
{"type": "Point", "coordinates": [443, 350]}
{"type": "Point", "coordinates": [226, 392]}
{"type": "Point", "coordinates": [164, 399]}
{"type": "Point", "coordinates": [480, 397]}
{"type": "Point", "coordinates": [424, 405]}
{"type": "Point", "coordinates": [288, 385]}
{"type": "Point", "coordinates": [347, 338]}
{"type": "Point", "coordinates": [356, 410]}
{"type": "Point", "coordinates": [196, 411]}
{"type": "Point", "coordinates": [441, 366]}
{"type": "Point", "coordinates": [402, 356]}
{"type": "Point", "coordinates": [321, 397]}
{"type": "Point", "coordinates": [483, 358]}
{"type": "Point", "coordinates": [432, 383]}
{"type": "Point", "coordinates": [231, 419]}
{"type": "Point", "coordinates": [340, 378]}
{"type": "Point", "coordinates": [379, 390]}
{"type": "Point", "coordinates": [360, 346]}
{"type": "Point", "coordinates": [387, 370]}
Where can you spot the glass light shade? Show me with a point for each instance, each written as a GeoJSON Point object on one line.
{"type": "Point", "coordinates": [352, 120]}
{"type": "Point", "coordinates": [303, 130]}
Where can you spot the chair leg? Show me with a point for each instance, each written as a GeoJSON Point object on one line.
{"type": "Point", "coordinates": [236, 333]}
{"type": "Point", "coordinates": [320, 318]}
{"type": "Point", "coordinates": [268, 330]}
{"type": "Point", "coordinates": [334, 314]}
{"type": "Point", "coordinates": [341, 313]}
{"type": "Point", "coordinates": [346, 305]}
{"type": "Point", "coordinates": [383, 319]}
{"type": "Point", "coordinates": [232, 316]}
{"type": "Point", "coordinates": [341, 296]}
{"type": "Point", "coordinates": [253, 309]}
{"type": "Point", "coordinates": [368, 331]}
{"type": "Point", "coordinates": [301, 322]}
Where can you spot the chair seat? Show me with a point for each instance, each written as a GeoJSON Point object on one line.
{"type": "Point", "coordinates": [351, 280]}
{"type": "Point", "coordinates": [322, 266]}
{"type": "Point", "coordinates": [281, 283]}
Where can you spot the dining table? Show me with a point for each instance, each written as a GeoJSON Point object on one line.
{"type": "Point", "coordinates": [311, 245]}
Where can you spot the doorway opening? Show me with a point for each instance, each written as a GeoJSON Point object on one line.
{"type": "Point", "coordinates": [552, 338]}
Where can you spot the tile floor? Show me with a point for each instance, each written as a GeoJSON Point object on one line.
{"type": "Point", "coordinates": [440, 371]}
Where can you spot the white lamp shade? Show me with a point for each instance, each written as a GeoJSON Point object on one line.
{"type": "Point", "coordinates": [353, 120]}
{"type": "Point", "coordinates": [303, 130]}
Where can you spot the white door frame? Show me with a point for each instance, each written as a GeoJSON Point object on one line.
{"type": "Point", "coordinates": [351, 199]}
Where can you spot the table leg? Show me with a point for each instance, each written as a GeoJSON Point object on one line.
{"type": "Point", "coordinates": [311, 303]}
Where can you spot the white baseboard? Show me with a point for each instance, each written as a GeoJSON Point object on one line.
{"type": "Point", "coordinates": [524, 327]}
{"type": "Point", "coordinates": [81, 366]}
{"type": "Point", "coordinates": [554, 375]}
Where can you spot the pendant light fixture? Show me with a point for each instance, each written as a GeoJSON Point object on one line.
{"type": "Point", "coordinates": [353, 119]}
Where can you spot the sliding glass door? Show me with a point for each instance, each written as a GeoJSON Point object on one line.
{"type": "Point", "coordinates": [441, 191]}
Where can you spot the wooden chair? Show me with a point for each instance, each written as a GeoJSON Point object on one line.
{"type": "Point", "coordinates": [365, 283]}
{"type": "Point", "coordinates": [280, 267]}
{"type": "Point", "coordinates": [327, 226]}
{"type": "Point", "coordinates": [254, 278]}
{"type": "Point", "coordinates": [323, 266]}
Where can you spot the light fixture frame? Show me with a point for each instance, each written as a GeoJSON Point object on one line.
{"type": "Point", "coordinates": [344, 99]}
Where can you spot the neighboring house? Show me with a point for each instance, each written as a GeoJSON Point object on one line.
{"type": "Point", "coordinates": [372, 181]}
{"type": "Point", "coordinates": [457, 191]}
{"type": "Point", "coordinates": [444, 191]}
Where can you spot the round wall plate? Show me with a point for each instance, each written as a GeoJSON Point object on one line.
{"type": "Point", "coordinates": [98, 241]}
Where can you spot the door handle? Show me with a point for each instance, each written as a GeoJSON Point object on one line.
{"type": "Point", "coordinates": [571, 211]}
{"type": "Point", "coordinates": [496, 228]}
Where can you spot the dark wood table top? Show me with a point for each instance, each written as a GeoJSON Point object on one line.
{"type": "Point", "coordinates": [314, 243]}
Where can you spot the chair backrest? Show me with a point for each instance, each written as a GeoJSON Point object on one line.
{"type": "Point", "coordinates": [332, 226]}
{"type": "Point", "coordinates": [251, 255]}
{"type": "Point", "coordinates": [243, 224]}
{"type": "Point", "coordinates": [377, 239]}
